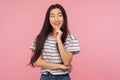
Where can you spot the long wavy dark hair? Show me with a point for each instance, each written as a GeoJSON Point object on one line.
{"type": "Point", "coordinates": [46, 29]}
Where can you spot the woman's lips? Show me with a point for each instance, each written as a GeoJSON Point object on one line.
{"type": "Point", "coordinates": [57, 24]}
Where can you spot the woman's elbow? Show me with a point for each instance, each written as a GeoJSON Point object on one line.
{"type": "Point", "coordinates": [37, 64]}
{"type": "Point", "coordinates": [67, 63]}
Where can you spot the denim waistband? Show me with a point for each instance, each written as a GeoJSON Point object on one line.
{"type": "Point", "coordinates": [49, 76]}
{"type": "Point", "coordinates": [48, 73]}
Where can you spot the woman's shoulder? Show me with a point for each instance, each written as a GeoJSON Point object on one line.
{"type": "Point", "coordinates": [71, 36]}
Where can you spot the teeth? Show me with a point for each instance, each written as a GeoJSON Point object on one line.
{"type": "Point", "coordinates": [56, 23]}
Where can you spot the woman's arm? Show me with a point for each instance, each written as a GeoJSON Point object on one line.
{"type": "Point", "coordinates": [66, 56]}
{"type": "Point", "coordinates": [48, 65]}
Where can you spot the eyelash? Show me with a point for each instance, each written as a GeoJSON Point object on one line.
{"type": "Point", "coordinates": [52, 16]}
{"type": "Point", "coordinates": [60, 15]}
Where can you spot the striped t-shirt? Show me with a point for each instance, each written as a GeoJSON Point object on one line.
{"type": "Point", "coordinates": [50, 52]}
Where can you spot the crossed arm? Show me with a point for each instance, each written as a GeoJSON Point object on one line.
{"type": "Point", "coordinates": [65, 56]}
{"type": "Point", "coordinates": [48, 65]}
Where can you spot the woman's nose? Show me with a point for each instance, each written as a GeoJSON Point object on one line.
{"type": "Point", "coordinates": [56, 18]}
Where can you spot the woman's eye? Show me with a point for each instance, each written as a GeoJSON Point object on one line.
{"type": "Point", "coordinates": [51, 16]}
{"type": "Point", "coordinates": [60, 15]}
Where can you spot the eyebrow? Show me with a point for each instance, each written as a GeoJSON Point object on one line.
{"type": "Point", "coordinates": [57, 13]}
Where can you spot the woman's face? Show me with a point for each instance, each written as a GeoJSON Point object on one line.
{"type": "Point", "coordinates": [56, 18]}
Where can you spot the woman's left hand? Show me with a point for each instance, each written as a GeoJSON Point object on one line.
{"type": "Point", "coordinates": [58, 34]}
{"type": "Point", "coordinates": [70, 68]}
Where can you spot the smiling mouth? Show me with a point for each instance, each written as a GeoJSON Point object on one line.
{"type": "Point", "coordinates": [57, 24]}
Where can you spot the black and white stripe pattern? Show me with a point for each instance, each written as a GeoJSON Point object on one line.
{"type": "Point", "coordinates": [50, 52]}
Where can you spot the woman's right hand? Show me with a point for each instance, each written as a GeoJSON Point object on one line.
{"type": "Point", "coordinates": [64, 67]}
{"type": "Point", "coordinates": [68, 68]}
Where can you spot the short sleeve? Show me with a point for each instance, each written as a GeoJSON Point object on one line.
{"type": "Point", "coordinates": [72, 44]}
{"type": "Point", "coordinates": [32, 46]}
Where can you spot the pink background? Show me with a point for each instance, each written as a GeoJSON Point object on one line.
{"type": "Point", "coordinates": [96, 23]}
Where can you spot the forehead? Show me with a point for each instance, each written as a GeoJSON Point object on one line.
{"type": "Point", "coordinates": [56, 11]}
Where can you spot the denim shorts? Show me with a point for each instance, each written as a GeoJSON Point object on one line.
{"type": "Point", "coordinates": [49, 76]}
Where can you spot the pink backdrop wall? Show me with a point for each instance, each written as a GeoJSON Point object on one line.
{"type": "Point", "coordinates": [96, 23]}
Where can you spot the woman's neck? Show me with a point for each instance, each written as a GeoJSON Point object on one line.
{"type": "Point", "coordinates": [52, 35]}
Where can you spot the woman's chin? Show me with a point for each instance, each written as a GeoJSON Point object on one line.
{"type": "Point", "coordinates": [57, 28]}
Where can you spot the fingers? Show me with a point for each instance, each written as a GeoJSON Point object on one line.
{"type": "Point", "coordinates": [70, 68]}
{"type": "Point", "coordinates": [58, 34]}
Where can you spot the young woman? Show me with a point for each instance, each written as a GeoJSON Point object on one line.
{"type": "Point", "coordinates": [54, 46]}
